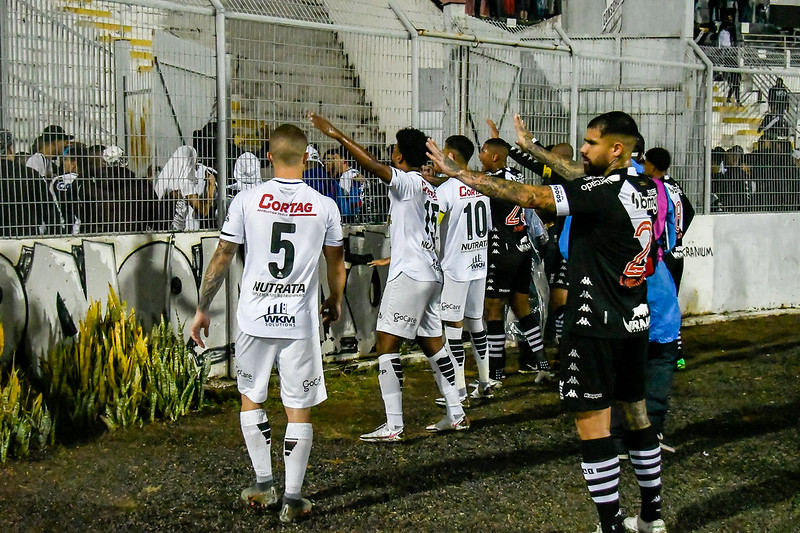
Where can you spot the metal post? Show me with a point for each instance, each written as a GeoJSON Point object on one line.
{"type": "Point", "coordinates": [709, 122]}
{"type": "Point", "coordinates": [414, 36]}
{"type": "Point", "coordinates": [122, 67]}
{"type": "Point", "coordinates": [222, 166]}
{"type": "Point", "coordinates": [574, 95]}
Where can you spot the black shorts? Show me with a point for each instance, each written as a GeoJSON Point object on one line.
{"type": "Point", "coordinates": [509, 271]}
{"type": "Point", "coordinates": [595, 372]}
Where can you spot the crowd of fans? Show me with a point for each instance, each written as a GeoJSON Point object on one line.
{"type": "Point", "coordinates": [61, 186]}
{"type": "Point", "coordinates": [768, 178]}
{"type": "Point", "coordinates": [522, 10]}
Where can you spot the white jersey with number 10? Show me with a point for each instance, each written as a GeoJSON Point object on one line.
{"type": "Point", "coordinates": [464, 230]}
{"type": "Point", "coordinates": [283, 224]}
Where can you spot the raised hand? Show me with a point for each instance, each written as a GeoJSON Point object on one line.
{"type": "Point", "coordinates": [524, 137]}
{"type": "Point", "coordinates": [493, 131]}
{"type": "Point", "coordinates": [323, 125]}
{"type": "Point", "coordinates": [442, 163]}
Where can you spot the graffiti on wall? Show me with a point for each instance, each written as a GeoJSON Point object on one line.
{"type": "Point", "coordinates": [46, 286]}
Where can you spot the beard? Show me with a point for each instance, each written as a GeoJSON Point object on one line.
{"type": "Point", "coordinates": [593, 169]}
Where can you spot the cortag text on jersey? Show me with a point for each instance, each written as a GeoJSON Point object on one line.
{"type": "Point", "coordinates": [286, 208]}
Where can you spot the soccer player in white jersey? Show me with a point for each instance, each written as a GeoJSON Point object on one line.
{"type": "Point", "coordinates": [464, 233]}
{"type": "Point", "coordinates": [284, 225]}
{"type": "Point", "coordinates": [410, 304]}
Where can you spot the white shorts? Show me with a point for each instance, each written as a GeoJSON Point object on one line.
{"type": "Point", "coordinates": [410, 308]}
{"type": "Point", "coordinates": [462, 299]}
{"type": "Point", "coordinates": [299, 364]}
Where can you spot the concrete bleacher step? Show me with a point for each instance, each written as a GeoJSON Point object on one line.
{"type": "Point", "coordinates": [741, 120]}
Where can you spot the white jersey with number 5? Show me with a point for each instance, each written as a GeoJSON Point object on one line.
{"type": "Point", "coordinates": [414, 216]}
{"type": "Point", "coordinates": [283, 225]}
{"type": "Point", "coordinates": [464, 230]}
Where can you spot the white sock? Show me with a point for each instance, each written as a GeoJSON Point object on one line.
{"type": "Point", "coordinates": [456, 346]}
{"type": "Point", "coordinates": [258, 439]}
{"type": "Point", "coordinates": [296, 449]}
{"type": "Point", "coordinates": [390, 378]}
{"type": "Point", "coordinates": [444, 372]}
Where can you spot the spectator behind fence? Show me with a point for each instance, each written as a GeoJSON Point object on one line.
{"type": "Point", "coordinates": [316, 177]}
{"type": "Point", "coordinates": [718, 173]}
{"type": "Point", "coordinates": [46, 150]}
{"type": "Point", "coordinates": [69, 189]}
{"type": "Point", "coordinates": [130, 200]}
{"type": "Point", "coordinates": [735, 192]}
{"type": "Point", "coordinates": [727, 40]}
{"type": "Point", "coordinates": [775, 176]}
{"type": "Point", "coordinates": [24, 194]}
{"type": "Point", "coordinates": [246, 174]}
{"type": "Point", "coordinates": [186, 190]}
{"type": "Point", "coordinates": [349, 182]}
{"type": "Point", "coordinates": [778, 97]}
{"type": "Point", "coordinates": [495, 8]}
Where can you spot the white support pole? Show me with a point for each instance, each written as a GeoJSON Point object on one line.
{"type": "Point", "coordinates": [414, 36]}
{"type": "Point", "coordinates": [709, 123]}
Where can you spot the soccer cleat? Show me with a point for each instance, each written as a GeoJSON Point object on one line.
{"type": "Point", "coordinates": [384, 434]}
{"type": "Point", "coordinates": [493, 383]}
{"type": "Point", "coordinates": [635, 524]}
{"type": "Point", "coordinates": [260, 499]}
{"type": "Point", "coordinates": [680, 364]}
{"type": "Point", "coordinates": [664, 446]}
{"type": "Point", "coordinates": [543, 376]}
{"type": "Point", "coordinates": [294, 510]}
{"type": "Point", "coordinates": [443, 402]}
{"type": "Point", "coordinates": [448, 424]}
{"type": "Point", "coordinates": [482, 392]}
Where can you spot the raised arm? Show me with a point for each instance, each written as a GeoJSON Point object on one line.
{"type": "Point", "coordinates": [212, 281]}
{"type": "Point", "coordinates": [364, 158]}
{"type": "Point", "coordinates": [569, 170]}
{"type": "Point", "coordinates": [537, 197]}
{"type": "Point", "coordinates": [331, 308]}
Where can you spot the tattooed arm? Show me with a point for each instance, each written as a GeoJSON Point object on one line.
{"type": "Point", "coordinates": [570, 170]}
{"type": "Point", "coordinates": [212, 281]}
{"type": "Point", "coordinates": [539, 197]}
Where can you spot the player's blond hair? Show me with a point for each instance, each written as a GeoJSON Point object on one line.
{"type": "Point", "coordinates": [287, 144]}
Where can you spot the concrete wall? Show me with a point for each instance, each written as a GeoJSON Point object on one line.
{"type": "Point", "coordinates": [46, 286]}
{"type": "Point", "coordinates": [637, 17]}
{"type": "Point", "coordinates": [741, 262]}
{"type": "Point", "coordinates": [733, 263]}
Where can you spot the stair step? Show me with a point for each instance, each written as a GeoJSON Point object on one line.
{"type": "Point", "coordinates": [108, 26]}
{"type": "Point", "coordinates": [139, 54]}
{"type": "Point", "coordinates": [741, 120]}
{"type": "Point", "coordinates": [139, 43]}
{"type": "Point", "coordinates": [82, 11]}
{"type": "Point", "coordinates": [729, 109]}
{"type": "Point", "coordinates": [754, 133]}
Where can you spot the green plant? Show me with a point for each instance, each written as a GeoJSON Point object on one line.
{"type": "Point", "coordinates": [24, 418]}
{"type": "Point", "coordinates": [174, 379]}
{"type": "Point", "coordinates": [113, 373]}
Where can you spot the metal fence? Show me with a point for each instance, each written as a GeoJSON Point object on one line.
{"type": "Point", "coordinates": [148, 115]}
{"type": "Point", "coordinates": [754, 130]}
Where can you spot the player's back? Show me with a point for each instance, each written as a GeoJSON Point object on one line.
{"type": "Point", "coordinates": [284, 224]}
{"type": "Point", "coordinates": [508, 221]}
{"type": "Point", "coordinates": [464, 230]}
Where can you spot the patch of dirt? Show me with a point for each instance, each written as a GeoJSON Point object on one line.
{"type": "Point", "coordinates": [734, 422]}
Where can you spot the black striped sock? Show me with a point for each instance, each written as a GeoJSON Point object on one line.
{"type": "Point", "coordinates": [601, 471]}
{"type": "Point", "coordinates": [645, 456]}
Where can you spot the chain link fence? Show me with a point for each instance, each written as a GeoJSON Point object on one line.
{"type": "Point", "coordinates": [132, 116]}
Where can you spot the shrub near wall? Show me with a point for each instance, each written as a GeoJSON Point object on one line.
{"type": "Point", "coordinates": [113, 374]}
